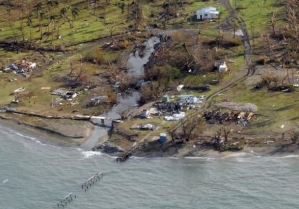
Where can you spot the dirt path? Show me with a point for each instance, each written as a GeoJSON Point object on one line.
{"type": "Point", "coordinates": [241, 22]}
{"type": "Point", "coordinates": [240, 77]}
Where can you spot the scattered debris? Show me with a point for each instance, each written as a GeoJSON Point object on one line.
{"type": "Point", "coordinates": [19, 90]}
{"type": "Point", "coordinates": [180, 87]}
{"type": "Point", "coordinates": [177, 116]}
{"type": "Point", "coordinates": [59, 91]}
{"type": "Point", "coordinates": [95, 101]}
{"type": "Point", "coordinates": [45, 88]}
{"type": "Point", "coordinates": [15, 101]}
{"type": "Point", "coordinates": [70, 95]}
{"type": "Point", "coordinates": [147, 126]}
{"type": "Point", "coordinates": [268, 142]}
{"type": "Point", "coordinates": [57, 101]}
{"type": "Point", "coordinates": [23, 67]}
{"type": "Point", "coordinates": [213, 117]}
{"type": "Point", "coordinates": [12, 79]}
{"type": "Point", "coordinates": [190, 99]}
{"type": "Point", "coordinates": [117, 84]}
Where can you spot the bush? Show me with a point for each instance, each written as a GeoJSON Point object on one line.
{"type": "Point", "coordinates": [95, 56]}
{"type": "Point", "coordinates": [123, 44]}
{"type": "Point", "coordinates": [225, 41]}
{"type": "Point", "coordinates": [149, 92]}
{"type": "Point", "coordinates": [269, 78]}
{"type": "Point", "coordinates": [263, 60]}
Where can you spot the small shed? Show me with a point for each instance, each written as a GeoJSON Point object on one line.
{"type": "Point", "coordinates": [145, 114]}
{"type": "Point", "coordinates": [207, 13]}
{"type": "Point", "coordinates": [163, 138]}
{"type": "Point", "coordinates": [165, 98]}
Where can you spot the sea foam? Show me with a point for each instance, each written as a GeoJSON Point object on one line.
{"type": "Point", "coordinates": [88, 154]}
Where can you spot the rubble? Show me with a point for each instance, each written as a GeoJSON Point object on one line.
{"type": "Point", "coordinates": [218, 117]}
{"type": "Point", "coordinates": [98, 100]}
{"type": "Point", "coordinates": [173, 110]}
{"type": "Point", "coordinates": [21, 68]}
{"type": "Point", "coordinates": [59, 91]}
{"type": "Point", "coordinates": [66, 94]}
{"type": "Point", "coordinates": [190, 99]}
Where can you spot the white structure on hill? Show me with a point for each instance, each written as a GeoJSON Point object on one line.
{"type": "Point", "coordinates": [207, 13]}
{"type": "Point", "coordinates": [221, 66]}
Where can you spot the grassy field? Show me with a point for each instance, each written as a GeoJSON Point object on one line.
{"type": "Point", "coordinates": [257, 14]}
{"type": "Point", "coordinates": [28, 21]}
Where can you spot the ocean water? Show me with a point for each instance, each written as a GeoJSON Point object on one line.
{"type": "Point", "coordinates": [34, 175]}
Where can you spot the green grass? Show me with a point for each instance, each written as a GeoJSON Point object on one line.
{"type": "Point", "coordinates": [86, 26]}
{"type": "Point", "coordinates": [274, 109]}
{"type": "Point", "coordinates": [257, 15]}
{"type": "Point", "coordinates": [198, 4]}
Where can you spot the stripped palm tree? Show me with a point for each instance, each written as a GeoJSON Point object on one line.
{"type": "Point", "coordinates": [38, 8]}
{"type": "Point", "coordinates": [52, 21]}
{"type": "Point", "coordinates": [63, 13]}
{"type": "Point", "coordinates": [50, 4]}
{"type": "Point", "coordinates": [75, 12]}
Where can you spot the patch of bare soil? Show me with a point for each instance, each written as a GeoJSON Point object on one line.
{"type": "Point", "coordinates": [63, 132]}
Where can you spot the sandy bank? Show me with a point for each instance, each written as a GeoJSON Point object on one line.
{"type": "Point", "coordinates": [56, 132]}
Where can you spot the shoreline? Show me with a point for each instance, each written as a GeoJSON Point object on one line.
{"type": "Point", "coordinates": [44, 136]}
{"type": "Point", "coordinates": [187, 151]}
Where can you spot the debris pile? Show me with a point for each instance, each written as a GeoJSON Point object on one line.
{"type": "Point", "coordinates": [173, 110]}
{"type": "Point", "coordinates": [23, 67]}
{"type": "Point", "coordinates": [65, 94]}
{"type": "Point", "coordinates": [96, 101]}
{"type": "Point", "coordinates": [190, 99]}
{"type": "Point", "coordinates": [217, 117]}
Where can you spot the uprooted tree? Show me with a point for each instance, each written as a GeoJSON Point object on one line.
{"type": "Point", "coordinates": [294, 136]}
{"type": "Point", "coordinates": [187, 128]}
{"type": "Point", "coordinates": [220, 141]}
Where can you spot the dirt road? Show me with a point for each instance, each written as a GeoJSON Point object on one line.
{"type": "Point", "coordinates": [247, 56]}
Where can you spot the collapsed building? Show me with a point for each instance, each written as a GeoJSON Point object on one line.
{"type": "Point", "coordinates": [217, 117]}
{"type": "Point", "coordinates": [22, 67]}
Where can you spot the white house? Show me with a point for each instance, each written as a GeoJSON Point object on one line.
{"type": "Point", "coordinates": [207, 13]}
{"type": "Point", "coordinates": [221, 66]}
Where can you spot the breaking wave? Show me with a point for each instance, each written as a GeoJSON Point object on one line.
{"type": "Point", "coordinates": [88, 154]}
